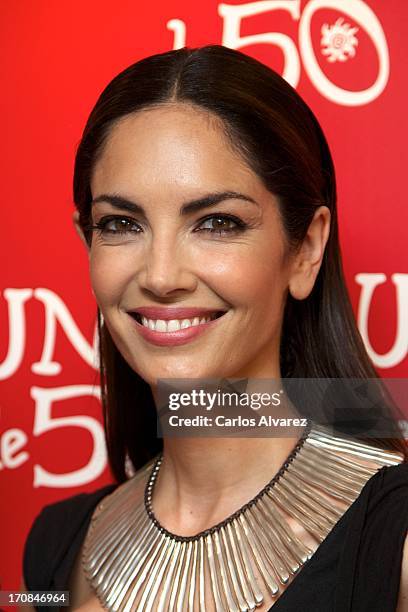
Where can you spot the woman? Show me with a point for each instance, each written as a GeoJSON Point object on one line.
{"type": "Point", "coordinates": [206, 197]}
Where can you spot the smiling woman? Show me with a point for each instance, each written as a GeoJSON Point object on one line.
{"type": "Point", "coordinates": [206, 200]}
{"type": "Point", "coordinates": [190, 243]}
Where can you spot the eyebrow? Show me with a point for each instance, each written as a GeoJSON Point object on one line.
{"type": "Point", "coordinates": [211, 199]}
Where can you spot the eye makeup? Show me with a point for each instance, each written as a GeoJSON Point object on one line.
{"type": "Point", "coordinates": [117, 226]}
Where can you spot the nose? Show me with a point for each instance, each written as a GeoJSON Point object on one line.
{"type": "Point", "coordinates": [165, 269]}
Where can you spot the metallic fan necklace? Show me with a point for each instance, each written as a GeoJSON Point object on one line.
{"type": "Point", "coordinates": [133, 563]}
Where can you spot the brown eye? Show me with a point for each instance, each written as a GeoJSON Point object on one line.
{"type": "Point", "coordinates": [221, 224]}
{"type": "Point", "coordinates": [115, 229]}
{"type": "Point", "coordinates": [112, 226]}
{"type": "Point", "coordinates": [118, 225]}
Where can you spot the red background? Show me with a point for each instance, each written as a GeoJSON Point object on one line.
{"type": "Point", "coordinates": [56, 57]}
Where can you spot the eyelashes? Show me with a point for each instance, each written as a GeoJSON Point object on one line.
{"type": "Point", "coordinates": [239, 225]}
{"type": "Point", "coordinates": [117, 227]}
{"type": "Point", "coordinates": [124, 226]}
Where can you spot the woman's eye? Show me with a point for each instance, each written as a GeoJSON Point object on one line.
{"type": "Point", "coordinates": [221, 224]}
{"type": "Point", "coordinates": [116, 226]}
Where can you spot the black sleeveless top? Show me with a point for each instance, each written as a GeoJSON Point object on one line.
{"type": "Point", "coordinates": [357, 567]}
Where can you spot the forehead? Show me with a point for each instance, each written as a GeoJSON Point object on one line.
{"type": "Point", "coordinates": [168, 147]}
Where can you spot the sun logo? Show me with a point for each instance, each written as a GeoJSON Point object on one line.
{"type": "Point", "coordinates": [338, 41]}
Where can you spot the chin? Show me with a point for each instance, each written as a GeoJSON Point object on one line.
{"type": "Point", "coordinates": [153, 376]}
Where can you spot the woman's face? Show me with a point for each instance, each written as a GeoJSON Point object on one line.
{"type": "Point", "coordinates": [226, 257]}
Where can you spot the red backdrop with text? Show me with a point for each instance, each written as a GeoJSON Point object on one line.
{"type": "Point", "coordinates": [347, 59]}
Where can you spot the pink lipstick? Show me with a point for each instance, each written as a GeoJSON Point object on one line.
{"type": "Point", "coordinates": [174, 337]}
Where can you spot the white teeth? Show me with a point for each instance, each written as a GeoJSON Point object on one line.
{"type": "Point", "coordinates": [174, 324]}
{"type": "Point", "coordinates": [161, 325]}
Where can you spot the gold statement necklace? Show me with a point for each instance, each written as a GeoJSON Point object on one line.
{"type": "Point", "coordinates": [133, 563]}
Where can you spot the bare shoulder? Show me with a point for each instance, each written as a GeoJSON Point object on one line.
{"type": "Point", "coordinates": [402, 605]}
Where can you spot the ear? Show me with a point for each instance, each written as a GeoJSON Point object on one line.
{"type": "Point", "coordinates": [79, 230]}
{"type": "Point", "coordinates": [308, 259]}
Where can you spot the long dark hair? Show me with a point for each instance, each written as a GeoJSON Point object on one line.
{"type": "Point", "coordinates": [281, 140]}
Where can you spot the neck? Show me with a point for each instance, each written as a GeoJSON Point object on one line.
{"type": "Point", "coordinates": [202, 480]}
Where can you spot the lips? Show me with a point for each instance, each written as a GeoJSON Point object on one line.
{"type": "Point", "coordinates": [166, 314]}
{"type": "Point", "coordinates": [174, 338]}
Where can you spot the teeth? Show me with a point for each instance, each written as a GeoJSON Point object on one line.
{"type": "Point", "coordinates": [161, 325]}
{"type": "Point", "coordinates": [173, 325]}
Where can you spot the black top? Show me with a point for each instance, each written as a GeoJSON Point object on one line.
{"type": "Point", "coordinates": [357, 567]}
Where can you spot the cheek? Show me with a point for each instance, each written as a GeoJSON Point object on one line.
{"type": "Point", "coordinates": [109, 273]}
{"type": "Point", "coordinates": [249, 277]}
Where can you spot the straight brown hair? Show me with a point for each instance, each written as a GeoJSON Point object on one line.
{"type": "Point", "coordinates": [281, 140]}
